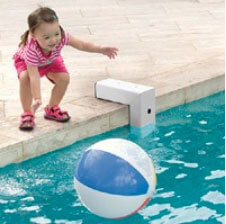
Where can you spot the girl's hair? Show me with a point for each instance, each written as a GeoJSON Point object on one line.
{"type": "Point", "coordinates": [36, 18]}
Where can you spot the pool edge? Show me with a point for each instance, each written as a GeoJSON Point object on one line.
{"type": "Point", "coordinates": [61, 137]}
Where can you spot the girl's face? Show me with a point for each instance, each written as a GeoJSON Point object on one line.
{"type": "Point", "coordinates": [48, 35]}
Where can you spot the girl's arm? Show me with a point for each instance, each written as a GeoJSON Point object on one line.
{"type": "Point", "coordinates": [111, 52]}
{"type": "Point", "coordinates": [35, 86]}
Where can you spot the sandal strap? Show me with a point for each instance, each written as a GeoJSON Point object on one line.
{"type": "Point", "coordinates": [27, 114]}
{"type": "Point", "coordinates": [24, 119]}
{"type": "Point", "coordinates": [56, 111]}
{"type": "Point", "coordinates": [57, 108]}
{"type": "Point", "coordinates": [27, 117]}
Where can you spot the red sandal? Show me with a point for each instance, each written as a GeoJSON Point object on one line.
{"type": "Point", "coordinates": [56, 114]}
{"type": "Point", "coordinates": [27, 121]}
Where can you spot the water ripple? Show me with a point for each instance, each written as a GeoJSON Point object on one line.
{"type": "Point", "coordinates": [165, 195]}
{"type": "Point", "coordinates": [216, 174]}
{"type": "Point", "coordinates": [154, 210]}
{"type": "Point", "coordinates": [214, 197]}
{"type": "Point", "coordinates": [189, 165]}
{"type": "Point", "coordinates": [186, 214]}
{"type": "Point", "coordinates": [10, 210]}
{"type": "Point", "coordinates": [3, 201]}
{"type": "Point", "coordinates": [10, 187]}
{"type": "Point", "coordinates": [65, 221]}
{"type": "Point", "coordinates": [182, 175]}
{"type": "Point", "coordinates": [31, 208]}
{"type": "Point", "coordinates": [40, 220]}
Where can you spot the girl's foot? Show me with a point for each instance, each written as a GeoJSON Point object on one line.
{"type": "Point", "coordinates": [56, 114]}
{"type": "Point", "coordinates": [27, 121]}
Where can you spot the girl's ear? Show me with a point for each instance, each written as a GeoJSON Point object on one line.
{"type": "Point", "coordinates": [32, 34]}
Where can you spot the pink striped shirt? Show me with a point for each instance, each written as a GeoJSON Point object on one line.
{"type": "Point", "coordinates": [32, 53]}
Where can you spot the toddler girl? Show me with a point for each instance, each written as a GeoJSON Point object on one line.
{"type": "Point", "coordinates": [39, 55]}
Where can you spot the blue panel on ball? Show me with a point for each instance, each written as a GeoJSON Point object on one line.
{"type": "Point", "coordinates": [110, 174]}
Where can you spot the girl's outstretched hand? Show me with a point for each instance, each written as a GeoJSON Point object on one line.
{"type": "Point", "coordinates": [111, 52]}
{"type": "Point", "coordinates": [36, 105]}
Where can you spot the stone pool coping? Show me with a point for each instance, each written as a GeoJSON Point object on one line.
{"type": "Point", "coordinates": [178, 88]}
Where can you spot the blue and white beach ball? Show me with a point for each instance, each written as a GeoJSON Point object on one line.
{"type": "Point", "coordinates": [115, 178]}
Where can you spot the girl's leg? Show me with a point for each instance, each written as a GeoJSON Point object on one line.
{"type": "Point", "coordinates": [61, 81]}
{"type": "Point", "coordinates": [25, 91]}
{"type": "Point", "coordinates": [27, 118]}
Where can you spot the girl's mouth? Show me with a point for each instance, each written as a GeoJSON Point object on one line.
{"type": "Point", "coordinates": [52, 45]}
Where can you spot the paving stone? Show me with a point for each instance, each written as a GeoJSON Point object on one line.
{"type": "Point", "coordinates": [2, 111]}
{"type": "Point", "coordinates": [154, 10]}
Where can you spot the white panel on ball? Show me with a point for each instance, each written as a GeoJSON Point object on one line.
{"type": "Point", "coordinates": [107, 205]}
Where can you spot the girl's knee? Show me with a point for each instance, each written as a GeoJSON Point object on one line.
{"type": "Point", "coordinates": [24, 77]}
{"type": "Point", "coordinates": [63, 78]}
{"type": "Point", "coordinates": [24, 80]}
{"type": "Point", "coordinates": [66, 77]}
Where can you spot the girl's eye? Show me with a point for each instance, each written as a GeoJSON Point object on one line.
{"type": "Point", "coordinates": [46, 38]}
{"type": "Point", "coordinates": [57, 34]}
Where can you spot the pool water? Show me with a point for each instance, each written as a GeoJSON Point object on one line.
{"type": "Point", "coordinates": [187, 147]}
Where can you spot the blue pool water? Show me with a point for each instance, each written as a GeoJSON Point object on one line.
{"type": "Point", "coordinates": [187, 147]}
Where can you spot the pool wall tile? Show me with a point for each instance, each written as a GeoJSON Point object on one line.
{"type": "Point", "coordinates": [204, 88]}
{"type": "Point", "coordinates": [67, 136]}
{"type": "Point", "coordinates": [43, 144]}
{"type": "Point", "coordinates": [93, 126]}
{"type": "Point", "coordinates": [11, 154]}
{"type": "Point", "coordinates": [119, 118]}
{"type": "Point", "coordinates": [166, 101]}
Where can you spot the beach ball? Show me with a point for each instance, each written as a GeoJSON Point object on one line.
{"type": "Point", "coordinates": [114, 178]}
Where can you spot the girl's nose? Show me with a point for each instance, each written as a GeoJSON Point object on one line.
{"type": "Point", "coordinates": [53, 40]}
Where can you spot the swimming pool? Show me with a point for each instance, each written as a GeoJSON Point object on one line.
{"type": "Point", "coordinates": [187, 147]}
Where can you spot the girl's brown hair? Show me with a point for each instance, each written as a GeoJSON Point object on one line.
{"type": "Point", "coordinates": [36, 18]}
